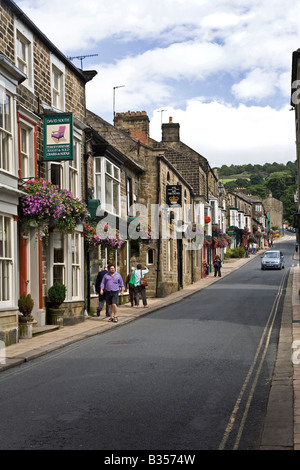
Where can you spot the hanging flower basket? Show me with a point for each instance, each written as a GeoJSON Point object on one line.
{"type": "Point", "coordinates": [140, 230]}
{"type": "Point", "coordinates": [45, 205]}
{"type": "Point", "coordinates": [103, 235]}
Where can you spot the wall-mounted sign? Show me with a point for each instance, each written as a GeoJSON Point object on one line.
{"type": "Point", "coordinates": [173, 195]}
{"type": "Point", "coordinates": [58, 137]}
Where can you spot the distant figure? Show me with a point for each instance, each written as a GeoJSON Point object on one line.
{"type": "Point", "coordinates": [246, 251]}
{"type": "Point", "coordinates": [101, 297]}
{"type": "Point", "coordinates": [130, 288]}
{"type": "Point", "coordinates": [139, 288]}
{"type": "Point", "coordinates": [217, 265]}
{"type": "Point", "coordinates": [296, 247]}
{"type": "Point", "coordinates": [206, 268]}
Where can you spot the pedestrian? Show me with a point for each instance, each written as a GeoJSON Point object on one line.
{"type": "Point", "coordinates": [130, 288]}
{"type": "Point", "coordinates": [206, 268]}
{"type": "Point", "coordinates": [139, 288]}
{"type": "Point", "coordinates": [217, 265]}
{"type": "Point", "coordinates": [254, 248]}
{"type": "Point", "coordinates": [101, 297]}
{"type": "Point", "coordinates": [246, 251]}
{"type": "Point", "coordinates": [296, 247]}
{"type": "Point", "coordinates": [111, 283]}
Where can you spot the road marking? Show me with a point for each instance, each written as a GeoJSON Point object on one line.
{"type": "Point", "coordinates": [232, 420]}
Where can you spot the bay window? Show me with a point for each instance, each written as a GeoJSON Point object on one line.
{"type": "Point", "coordinates": [107, 185]}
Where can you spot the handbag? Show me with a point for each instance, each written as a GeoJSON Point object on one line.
{"type": "Point", "coordinates": [144, 281]}
{"type": "Point", "coordinates": [132, 280]}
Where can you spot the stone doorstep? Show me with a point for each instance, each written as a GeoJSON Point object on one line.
{"type": "Point", "coordinates": [41, 330]}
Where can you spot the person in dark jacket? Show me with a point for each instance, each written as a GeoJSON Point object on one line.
{"type": "Point", "coordinates": [217, 265]}
{"type": "Point", "coordinates": [101, 297]}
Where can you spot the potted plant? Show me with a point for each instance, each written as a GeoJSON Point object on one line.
{"type": "Point", "coordinates": [25, 304]}
{"type": "Point", "coordinates": [56, 295]}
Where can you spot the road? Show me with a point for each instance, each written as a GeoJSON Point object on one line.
{"type": "Point", "coordinates": [192, 376]}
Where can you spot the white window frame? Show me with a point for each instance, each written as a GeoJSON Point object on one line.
{"type": "Point", "coordinates": [76, 265]}
{"type": "Point", "coordinates": [104, 176]}
{"type": "Point", "coordinates": [25, 64]}
{"type": "Point", "coordinates": [6, 131]}
{"type": "Point", "coordinates": [74, 170]}
{"type": "Point", "coordinates": [57, 93]}
{"type": "Point", "coordinates": [54, 263]}
{"type": "Point", "coordinates": [8, 261]}
{"type": "Point", "coordinates": [28, 154]}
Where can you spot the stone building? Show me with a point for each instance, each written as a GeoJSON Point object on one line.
{"type": "Point", "coordinates": [247, 218]}
{"type": "Point", "coordinates": [274, 210]}
{"type": "Point", "coordinates": [209, 194]}
{"type": "Point", "coordinates": [37, 80]}
{"type": "Point", "coordinates": [171, 264]}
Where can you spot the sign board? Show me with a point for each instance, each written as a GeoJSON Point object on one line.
{"type": "Point", "coordinates": [58, 137]}
{"type": "Point", "coordinates": [173, 195]}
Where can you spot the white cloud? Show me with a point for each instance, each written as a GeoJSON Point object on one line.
{"type": "Point", "coordinates": [225, 134]}
{"type": "Point", "coordinates": [241, 49]}
{"type": "Point", "coordinates": [258, 84]}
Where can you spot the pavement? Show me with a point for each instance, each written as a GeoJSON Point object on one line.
{"type": "Point", "coordinates": [282, 424]}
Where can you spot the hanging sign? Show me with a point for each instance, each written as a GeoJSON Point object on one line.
{"type": "Point", "coordinates": [58, 137]}
{"type": "Point", "coordinates": [173, 195]}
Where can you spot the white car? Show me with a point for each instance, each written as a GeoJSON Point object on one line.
{"type": "Point", "coordinates": [272, 259]}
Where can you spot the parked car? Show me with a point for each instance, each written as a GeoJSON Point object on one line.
{"type": "Point", "coordinates": [272, 259]}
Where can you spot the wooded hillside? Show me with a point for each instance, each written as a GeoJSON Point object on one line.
{"type": "Point", "coordinates": [259, 180]}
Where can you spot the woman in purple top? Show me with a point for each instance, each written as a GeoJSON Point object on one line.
{"type": "Point", "coordinates": [111, 284]}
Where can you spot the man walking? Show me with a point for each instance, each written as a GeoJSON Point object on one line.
{"type": "Point", "coordinates": [101, 297]}
{"type": "Point", "coordinates": [111, 283]}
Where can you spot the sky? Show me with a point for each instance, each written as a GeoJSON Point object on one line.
{"type": "Point", "coordinates": [219, 68]}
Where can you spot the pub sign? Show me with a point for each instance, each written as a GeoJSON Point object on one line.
{"type": "Point", "coordinates": [173, 195]}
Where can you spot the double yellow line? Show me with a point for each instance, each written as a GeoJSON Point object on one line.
{"type": "Point", "coordinates": [263, 346]}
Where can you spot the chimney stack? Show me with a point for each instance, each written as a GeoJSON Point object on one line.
{"type": "Point", "coordinates": [170, 131]}
{"type": "Point", "coordinates": [136, 122]}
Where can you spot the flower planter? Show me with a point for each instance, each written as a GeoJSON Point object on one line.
{"type": "Point", "coordinates": [25, 329]}
{"type": "Point", "coordinates": [56, 316]}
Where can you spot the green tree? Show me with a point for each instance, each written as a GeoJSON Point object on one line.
{"type": "Point", "coordinates": [277, 183]}
{"type": "Point", "coordinates": [256, 178]}
{"type": "Point", "coordinates": [289, 205]}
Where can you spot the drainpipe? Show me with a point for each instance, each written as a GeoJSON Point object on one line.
{"type": "Point", "coordinates": [159, 224]}
{"type": "Point", "coordinates": [87, 278]}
